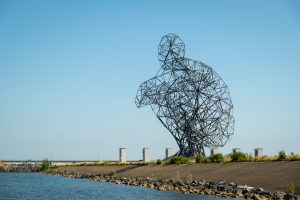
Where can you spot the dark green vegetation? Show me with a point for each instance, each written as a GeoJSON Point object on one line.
{"type": "Point", "coordinates": [217, 158]}
{"type": "Point", "coordinates": [201, 159]}
{"type": "Point", "coordinates": [159, 161]}
{"type": "Point", "coordinates": [233, 157]}
{"type": "Point", "coordinates": [238, 157]}
{"type": "Point", "coordinates": [282, 155]}
{"type": "Point", "coordinates": [179, 160]}
{"type": "Point", "coordinates": [45, 165]}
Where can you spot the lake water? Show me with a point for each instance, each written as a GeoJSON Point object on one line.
{"type": "Point", "coordinates": [39, 186]}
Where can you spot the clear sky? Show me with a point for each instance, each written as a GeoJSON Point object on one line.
{"type": "Point", "coordinates": [70, 70]}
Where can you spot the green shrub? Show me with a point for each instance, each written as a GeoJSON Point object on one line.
{"type": "Point", "coordinates": [45, 165]}
{"type": "Point", "coordinates": [201, 159]}
{"type": "Point", "coordinates": [282, 155]}
{"type": "Point", "coordinates": [293, 158]}
{"type": "Point", "coordinates": [291, 189]}
{"type": "Point", "coordinates": [238, 157]}
{"type": "Point", "coordinates": [217, 158]}
{"type": "Point", "coordinates": [176, 179]}
{"type": "Point", "coordinates": [158, 161]}
{"type": "Point", "coordinates": [249, 157]}
{"type": "Point", "coordinates": [179, 160]}
{"type": "Point", "coordinates": [189, 178]}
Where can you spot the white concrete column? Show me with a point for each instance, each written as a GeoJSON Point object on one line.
{"type": "Point", "coordinates": [169, 152]}
{"type": "Point", "coordinates": [122, 154]}
{"type": "Point", "coordinates": [146, 154]}
{"type": "Point", "coordinates": [258, 152]}
{"type": "Point", "coordinates": [214, 151]}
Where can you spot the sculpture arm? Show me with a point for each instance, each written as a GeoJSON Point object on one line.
{"type": "Point", "coordinates": [152, 91]}
{"type": "Point", "coordinates": [147, 93]}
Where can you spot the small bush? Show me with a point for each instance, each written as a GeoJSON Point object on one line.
{"type": "Point", "coordinates": [45, 165]}
{"type": "Point", "coordinates": [249, 157]}
{"type": "Point", "coordinates": [238, 157]}
{"type": "Point", "coordinates": [282, 155]}
{"type": "Point", "coordinates": [158, 161]}
{"type": "Point", "coordinates": [291, 189]}
{"type": "Point", "coordinates": [201, 159]}
{"type": "Point", "coordinates": [217, 158]}
{"type": "Point", "coordinates": [264, 158]}
{"type": "Point", "coordinates": [189, 178]}
{"type": "Point", "coordinates": [176, 179]}
{"type": "Point", "coordinates": [294, 158]}
{"type": "Point", "coordinates": [179, 160]}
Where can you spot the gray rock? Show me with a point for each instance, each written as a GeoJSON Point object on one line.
{"type": "Point", "coordinates": [220, 188]}
{"type": "Point", "coordinates": [239, 191]}
{"type": "Point", "coordinates": [264, 193]}
{"type": "Point", "coordinates": [258, 190]}
{"type": "Point", "coordinates": [221, 182]}
{"type": "Point", "coordinates": [289, 196]}
{"type": "Point", "coordinates": [278, 195]}
{"type": "Point", "coordinates": [232, 184]}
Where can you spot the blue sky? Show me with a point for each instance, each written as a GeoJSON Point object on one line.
{"type": "Point", "coordinates": [70, 70]}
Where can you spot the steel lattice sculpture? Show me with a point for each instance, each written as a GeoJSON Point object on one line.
{"type": "Point", "coordinates": [189, 98]}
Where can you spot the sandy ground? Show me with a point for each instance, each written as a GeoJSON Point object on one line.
{"type": "Point", "coordinates": [269, 175]}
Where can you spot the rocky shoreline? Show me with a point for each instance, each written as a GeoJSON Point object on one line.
{"type": "Point", "coordinates": [20, 169]}
{"type": "Point", "coordinates": [220, 188]}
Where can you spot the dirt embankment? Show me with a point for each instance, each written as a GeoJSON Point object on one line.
{"type": "Point", "coordinates": [271, 176]}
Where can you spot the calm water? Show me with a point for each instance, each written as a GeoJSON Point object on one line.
{"type": "Point", "coordinates": [39, 186]}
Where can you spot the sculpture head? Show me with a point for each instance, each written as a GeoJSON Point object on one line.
{"type": "Point", "coordinates": [170, 49]}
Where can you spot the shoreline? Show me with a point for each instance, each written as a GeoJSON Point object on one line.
{"type": "Point", "coordinates": [219, 189]}
{"type": "Point", "coordinates": [272, 176]}
{"type": "Point", "coordinates": [158, 177]}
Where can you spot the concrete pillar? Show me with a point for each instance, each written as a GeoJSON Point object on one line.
{"type": "Point", "coordinates": [258, 152]}
{"type": "Point", "coordinates": [169, 152]}
{"type": "Point", "coordinates": [236, 150]}
{"type": "Point", "coordinates": [214, 151]}
{"type": "Point", "coordinates": [146, 154]}
{"type": "Point", "coordinates": [122, 155]}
